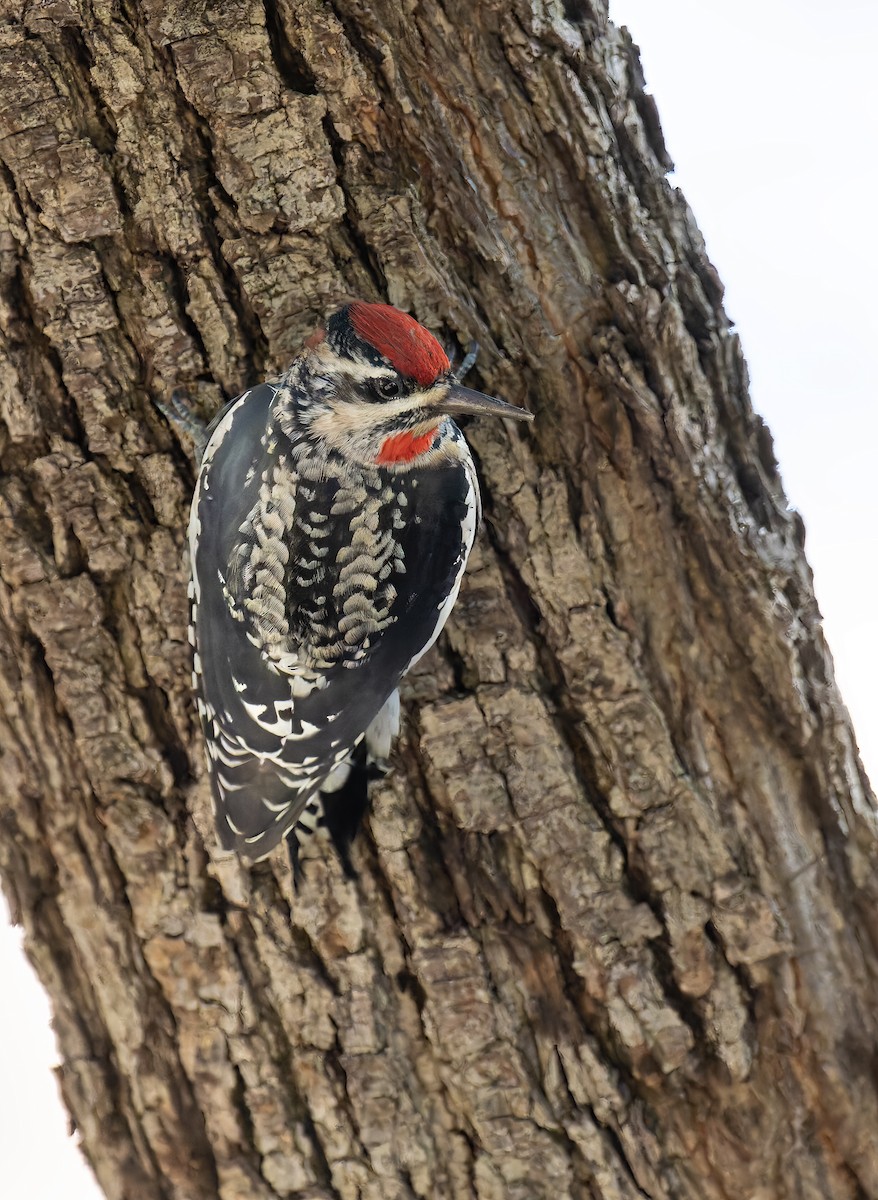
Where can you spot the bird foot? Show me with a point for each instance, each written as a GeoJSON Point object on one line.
{"type": "Point", "coordinates": [179, 412]}
{"type": "Point", "coordinates": [467, 362]}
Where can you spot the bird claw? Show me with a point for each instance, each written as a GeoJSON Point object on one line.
{"type": "Point", "coordinates": [379, 768]}
{"type": "Point", "coordinates": [178, 411]}
{"type": "Point", "coordinates": [467, 362]}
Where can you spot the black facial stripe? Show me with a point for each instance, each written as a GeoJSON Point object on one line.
{"type": "Point", "coordinates": [342, 337]}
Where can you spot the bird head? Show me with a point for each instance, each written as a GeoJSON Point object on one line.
{"type": "Point", "coordinates": [376, 387]}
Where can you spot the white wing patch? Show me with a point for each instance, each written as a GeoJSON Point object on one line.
{"type": "Point", "coordinates": [384, 728]}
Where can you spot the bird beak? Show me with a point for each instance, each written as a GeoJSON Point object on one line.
{"type": "Point", "coordinates": [461, 401]}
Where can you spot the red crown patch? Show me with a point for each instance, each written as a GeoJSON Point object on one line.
{"type": "Point", "coordinates": [405, 344]}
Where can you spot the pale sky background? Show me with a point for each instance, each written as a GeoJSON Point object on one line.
{"type": "Point", "coordinates": [770, 112]}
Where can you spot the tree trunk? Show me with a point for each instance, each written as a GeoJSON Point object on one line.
{"type": "Point", "coordinates": [614, 930]}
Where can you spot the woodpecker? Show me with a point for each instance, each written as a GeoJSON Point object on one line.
{"type": "Point", "coordinates": [333, 515]}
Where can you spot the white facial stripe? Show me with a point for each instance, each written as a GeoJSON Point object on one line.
{"type": "Point", "coordinates": [356, 371]}
{"type": "Point", "coordinates": [352, 418]}
{"type": "Point", "coordinates": [360, 372]}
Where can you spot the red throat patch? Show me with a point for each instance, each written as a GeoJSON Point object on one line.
{"type": "Point", "coordinates": [403, 447]}
{"type": "Point", "coordinates": [404, 343]}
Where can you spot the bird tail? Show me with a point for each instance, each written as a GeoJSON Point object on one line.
{"type": "Point", "coordinates": [340, 808]}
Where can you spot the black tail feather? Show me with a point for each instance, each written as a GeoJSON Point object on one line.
{"type": "Point", "coordinates": [343, 813]}
{"type": "Point", "coordinates": [343, 810]}
{"type": "Point", "coordinates": [295, 862]}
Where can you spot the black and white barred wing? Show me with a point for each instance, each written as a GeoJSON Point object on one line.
{"type": "Point", "coordinates": [266, 758]}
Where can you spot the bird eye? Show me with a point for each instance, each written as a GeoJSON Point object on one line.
{"type": "Point", "coordinates": [388, 388]}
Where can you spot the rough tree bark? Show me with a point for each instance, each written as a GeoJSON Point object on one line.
{"type": "Point", "coordinates": [614, 932]}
